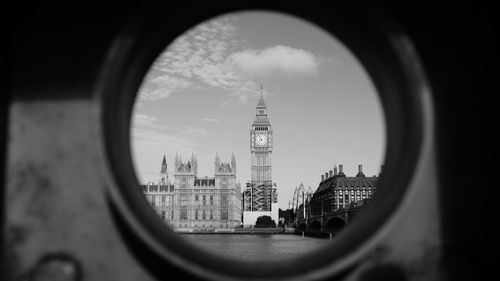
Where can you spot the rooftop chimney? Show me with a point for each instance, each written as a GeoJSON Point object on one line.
{"type": "Point", "coordinates": [335, 170]}
{"type": "Point", "coordinates": [341, 170]}
{"type": "Point", "coordinates": [331, 173]}
{"type": "Point", "coordinates": [326, 175]}
{"type": "Point", "coordinates": [322, 177]}
{"type": "Point", "coordinates": [360, 171]}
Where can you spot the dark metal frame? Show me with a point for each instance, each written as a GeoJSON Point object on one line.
{"type": "Point", "coordinates": [381, 47]}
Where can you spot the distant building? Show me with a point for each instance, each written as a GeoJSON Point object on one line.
{"type": "Point", "coordinates": [161, 195]}
{"type": "Point", "coordinates": [301, 196]}
{"type": "Point", "coordinates": [260, 196]}
{"type": "Point", "coordinates": [193, 204]}
{"type": "Point", "coordinates": [336, 191]}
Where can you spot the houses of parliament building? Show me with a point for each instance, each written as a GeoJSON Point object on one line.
{"type": "Point", "coordinates": [193, 204]}
{"type": "Point", "coordinates": [214, 204]}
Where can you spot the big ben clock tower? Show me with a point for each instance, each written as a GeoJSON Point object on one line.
{"type": "Point", "coordinates": [260, 195]}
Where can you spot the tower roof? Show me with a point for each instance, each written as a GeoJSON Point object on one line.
{"type": "Point", "coordinates": [164, 165]}
{"type": "Point", "coordinates": [261, 102]}
{"type": "Point", "coordinates": [261, 113]}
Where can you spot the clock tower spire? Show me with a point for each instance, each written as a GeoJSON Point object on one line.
{"type": "Point", "coordinates": [260, 197]}
{"type": "Point", "coordinates": [261, 105]}
{"type": "Point", "coordinates": [261, 119]}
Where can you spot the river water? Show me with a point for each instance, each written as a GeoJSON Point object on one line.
{"type": "Point", "coordinates": [257, 247]}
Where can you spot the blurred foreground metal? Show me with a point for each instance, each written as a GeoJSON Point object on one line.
{"type": "Point", "coordinates": [58, 219]}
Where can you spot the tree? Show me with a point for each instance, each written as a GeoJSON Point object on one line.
{"type": "Point", "coordinates": [281, 214]}
{"type": "Point", "coordinates": [265, 221]}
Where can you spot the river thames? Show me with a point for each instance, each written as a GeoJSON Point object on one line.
{"type": "Point", "coordinates": [257, 247]}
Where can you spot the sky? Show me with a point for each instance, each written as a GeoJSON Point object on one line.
{"type": "Point", "coordinates": [200, 96]}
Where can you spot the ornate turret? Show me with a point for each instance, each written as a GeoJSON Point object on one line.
{"type": "Point", "coordinates": [164, 165]}
{"type": "Point", "coordinates": [194, 163]}
{"type": "Point", "coordinates": [186, 168]}
{"type": "Point", "coordinates": [225, 168]}
{"type": "Point", "coordinates": [217, 162]}
{"type": "Point", "coordinates": [233, 163]}
{"type": "Point", "coordinates": [163, 171]}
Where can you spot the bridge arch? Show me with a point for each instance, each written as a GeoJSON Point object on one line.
{"type": "Point", "coordinates": [334, 225]}
{"type": "Point", "coordinates": [302, 227]}
{"type": "Point", "coordinates": [315, 227]}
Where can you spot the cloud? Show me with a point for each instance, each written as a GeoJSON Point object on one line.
{"type": "Point", "coordinates": [277, 59]}
{"type": "Point", "coordinates": [165, 85]}
{"type": "Point", "coordinates": [143, 120]}
{"type": "Point", "coordinates": [209, 55]}
{"type": "Point", "coordinates": [194, 60]}
{"type": "Point", "coordinates": [147, 121]}
{"type": "Point", "coordinates": [194, 131]}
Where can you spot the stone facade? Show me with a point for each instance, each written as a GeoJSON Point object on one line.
{"type": "Point", "coordinates": [161, 195]}
{"type": "Point", "coordinates": [337, 191]}
{"type": "Point", "coordinates": [193, 204]}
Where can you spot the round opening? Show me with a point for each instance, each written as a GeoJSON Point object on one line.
{"type": "Point", "coordinates": [394, 75]}
{"type": "Point", "coordinates": [310, 108]}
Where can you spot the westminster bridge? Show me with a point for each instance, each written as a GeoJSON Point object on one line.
{"type": "Point", "coordinates": [328, 222]}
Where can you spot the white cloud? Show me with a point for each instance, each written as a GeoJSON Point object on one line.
{"type": "Point", "coordinates": [165, 85]}
{"type": "Point", "coordinates": [148, 122]}
{"type": "Point", "coordinates": [277, 59]}
{"type": "Point", "coordinates": [194, 59]}
{"type": "Point", "coordinates": [208, 56]}
{"type": "Point", "coordinates": [200, 37]}
{"type": "Point", "coordinates": [143, 120]}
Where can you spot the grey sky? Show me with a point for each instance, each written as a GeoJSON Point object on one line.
{"type": "Point", "coordinates": [200, 97]}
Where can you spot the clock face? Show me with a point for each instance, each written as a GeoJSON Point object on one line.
{"type": "Point", "coordinates": [260, 139]}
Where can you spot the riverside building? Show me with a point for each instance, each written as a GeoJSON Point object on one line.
{"type": "Point", "coordinates": [194, 204]}
{"type": "Point", "coordinates": [338, 191]}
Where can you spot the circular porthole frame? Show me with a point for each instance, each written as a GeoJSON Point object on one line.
{"type": "Point", "coordinates": [381, 47]}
